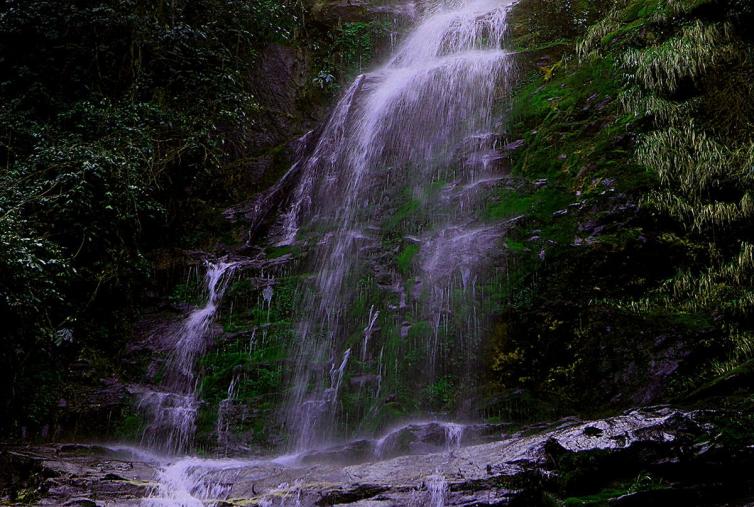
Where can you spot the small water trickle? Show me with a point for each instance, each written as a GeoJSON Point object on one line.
{"type": "Point", "coordinates": [453, 435]}
{"type": "Point", "coordinates": [379, 374]}
{"type": "Point", "coordinates": [171, 410]}
{"type": "Point", "coordinates": [223, 414]}
{"type": "Point", "coordinates": [336, 375]}
{"type": "Point", "coordinates": [252, 340]}
{"type": "Point", "coordinates": [368, 330]}
{"type": "Point", "coordinates": [437, 490]}
{"type": "Point", "coordinates": [267, 296]}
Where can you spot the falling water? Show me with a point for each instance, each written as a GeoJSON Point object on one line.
{"type": "Point", "coordinates": [172, 409]}
{"type": "Point", "coordinates": [189, 482]}
{"type": "Point", "coordinates": [223, 414]}
{"type": "Point", "coordinates": [453, 435]}
{"type": "Point", "coordinates": [424, 118]}
{"type": "Point", "coordinates": [373, 315]}
{"type": "Point", "coordinates": [267, 295]}
{"type": "Point", "coordinates": [437, 489]}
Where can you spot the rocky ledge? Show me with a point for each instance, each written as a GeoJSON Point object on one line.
{"type": "Point", "coordinates": [652, 456]}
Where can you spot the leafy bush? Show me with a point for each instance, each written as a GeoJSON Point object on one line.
{"type": "Point", "coordinates": [113, 114]}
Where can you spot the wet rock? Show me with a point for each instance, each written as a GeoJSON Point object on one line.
{"type": "Point", "coordinates": [278, 77]}
{"type": "Point", "coordinates": [657, 498]}
{"type": "Point", "coordinates": [352, 494]}
{"type": "Point", "coordinates": [81, 502]}
{"type": "Point", "coordinates": [405, 329]}
{"type": "Point", "coordinates": [604, 103]}
{"type": "Point", "coordinates": [358, 451]}
{"type": "Point", "coordinates": [592, 431]}
{"type": "Point", "coordinates": [362, 380]}
{"type": "Point", "coordinates": [400, 14]}
{"type": "Point", "coordinates": [569, 455]}
{"type": "Point", "coordinates": [76, 474]}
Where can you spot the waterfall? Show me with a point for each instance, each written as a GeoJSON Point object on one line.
{"type": "Point", "coordinates": [172, 409]}
{"type": "Point", "coordinates": [424, 118]}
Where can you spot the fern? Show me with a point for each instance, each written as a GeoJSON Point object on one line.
{"type": "Point", "coordinates": [701, 217]}
{"type": "Point", "coordinates": [741, 345]}
{"type": "Point", "coordinates": [699, 49]}
{"type": "Point", "coordinates": [692, 162]}
{"type": "Point", "coordinates": [662, 111]}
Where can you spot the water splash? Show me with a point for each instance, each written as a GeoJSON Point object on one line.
{"type": "Point", "coordinates": [419, 438]}
{"type": "Point", "coordinates": [194, 482]}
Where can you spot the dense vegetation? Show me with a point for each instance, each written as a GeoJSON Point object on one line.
{"type": "Point", "coordinates": [631, 278]}
{"type": "Point", "coordinates": [126, 127]}
{"type": "Point", "coordinates": [129, 126]}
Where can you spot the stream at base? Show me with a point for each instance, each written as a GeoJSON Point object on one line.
{"type": "Point", "coordinates": [279, 481]}
{"type": "Point", "coordinates": [441, 474]}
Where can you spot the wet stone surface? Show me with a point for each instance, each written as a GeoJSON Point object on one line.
{"type": "Point", "coordinates": [492, 473]}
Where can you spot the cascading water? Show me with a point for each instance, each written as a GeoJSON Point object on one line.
{"type": "Point", "coordinates": [420, 127]}
{"type": "Point", "coordinates": [403, 165]}
{"type": "Point", "coordinates": [172, 410]}
{"type": "Point", "coordinates": [437, 489]}
{"type": "Point", "coordinates": [190, 482]}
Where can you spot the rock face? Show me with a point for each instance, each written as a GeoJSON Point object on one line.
{"type": "Point", "coordinates": [70, 474]}
{"type": "Point", "coordinates": [681, 451]}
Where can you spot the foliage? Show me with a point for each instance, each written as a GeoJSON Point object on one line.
{"type": "Point", "coordinates": [634, 248]}
{"type": "Point", "coordinates": [254, 355]}
{"type": "Point", "coordinates": [704, 171]}
{"type": "Point", "coordinates": [116, 117]}
{"type": "Point", "coordinates": [441, 394]}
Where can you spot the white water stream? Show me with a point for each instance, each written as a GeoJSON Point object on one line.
{"type": "Point", "coordinates": [426, 116]}
{"type": "Point", "coordinates": [171, 410]}
{"type": "Point", "coordinates": [196, 482]}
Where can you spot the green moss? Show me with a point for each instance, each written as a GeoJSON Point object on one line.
{"type": "Point", "coordinates": [404, 212]}
{"type": "Point", "coordinates": [275, 252]}
{"type": "Point", "coordinates": [131, 426]}
{"type": "Point", "coordinates": [405, 258]}
{"type": "Point", "coordinates": [441, 394]}
{"type": "Point", "coordinates": [254, 353]}
{"type": "Point", "coordinates": [508, 204]}
{"type": "Point", "coordinates": [259, 387]}
{"type": "Point", "coordinates": [597, 500]}
{"type": "Point", "coordinates": [576, 166]}
{"type": "Point", "coordinates": [188, 293]}
{"type": "Point", "coordinates": [642, 482]}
